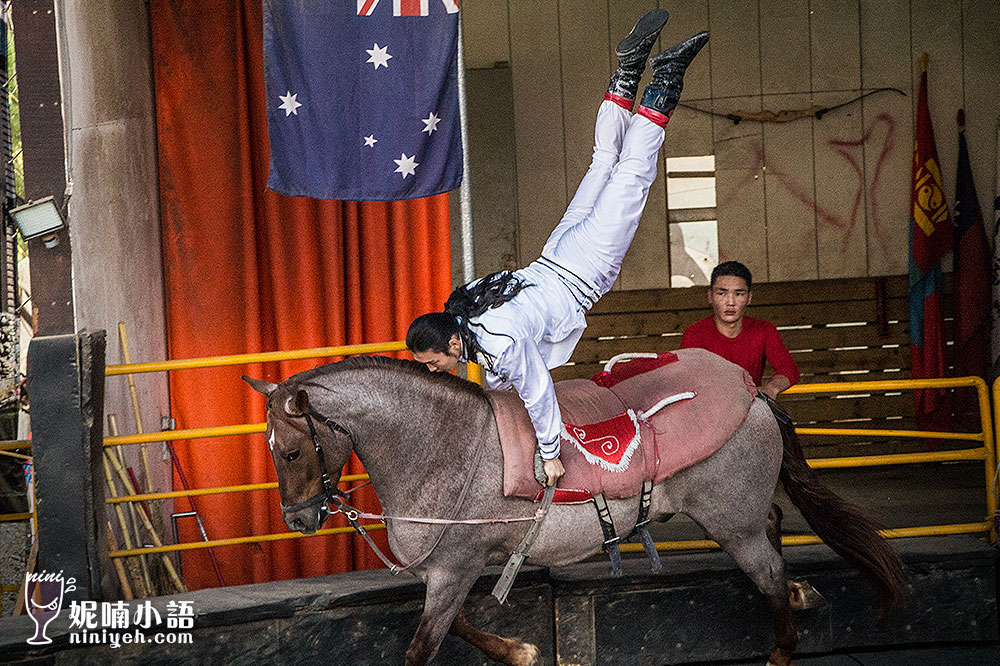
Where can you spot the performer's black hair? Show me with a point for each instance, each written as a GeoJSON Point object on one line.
{"type": "Point", "coordinates": [433, 331]}
{"type": "Point", "coordinates": [734, 268]}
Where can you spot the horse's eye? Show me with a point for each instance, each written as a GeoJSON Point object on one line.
{"type": "Point", "coordinates": [291, 456]}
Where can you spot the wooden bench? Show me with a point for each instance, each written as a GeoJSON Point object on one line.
{"type": "Point", "coordinates": [837, 330]}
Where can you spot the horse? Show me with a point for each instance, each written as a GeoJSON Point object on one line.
{"type": "Point", "coordinates": [430, 444]}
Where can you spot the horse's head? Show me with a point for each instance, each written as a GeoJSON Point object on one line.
{"type": "Point", "coordinates": [293, 433]}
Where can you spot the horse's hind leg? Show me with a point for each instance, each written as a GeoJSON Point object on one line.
{"type": "Point", "coordinates": [505, 650]}
{"type": "Point", "coordinates": [758, 558]}
{"type": "Point", "coordinates": [801, 594]}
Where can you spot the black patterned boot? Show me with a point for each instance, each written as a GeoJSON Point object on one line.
{"type": "Point", "coordinates": [663, 92]}
{"type": "Point", "coordinates": [632, 53]}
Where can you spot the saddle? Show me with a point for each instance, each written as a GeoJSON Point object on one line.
{"type": "Point", "coordinates": [628, 428]}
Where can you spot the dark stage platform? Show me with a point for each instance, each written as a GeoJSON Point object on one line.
{"type": "Point", "coordinates": [700, 610]}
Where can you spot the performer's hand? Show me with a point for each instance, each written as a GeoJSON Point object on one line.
{"type": "Point", "coordinates": [553, 470]}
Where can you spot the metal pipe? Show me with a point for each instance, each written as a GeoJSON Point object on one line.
{"type": "Point", "coordinates": [805, 540]}
{"type": "Point", "coordinates": [263, 357]}
{"type": "Point", "coordinates": [241, 540]}
{"type": "Point", "coordinates": [876, 432]}
{"type": "Point", "coordinates": [217, 490]}
{"type": "Point", "coordinates": [465, 191]}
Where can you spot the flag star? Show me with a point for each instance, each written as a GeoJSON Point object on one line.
{"type": "Point", "coordinates": [379, 56]}
{"type": "Point", "coordinates": [430, 123]}
{"type": "Point", "coordinates": [289, 104]}
{"type": "Point", "coordinates": [370, 140]}
{"type": "Point", "coordinates": [406, 166]}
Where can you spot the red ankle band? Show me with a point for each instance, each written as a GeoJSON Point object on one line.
{"type": "Point", "coordinates": [623, 102]}
{"type": "Point", "coordinates": [655, 116]}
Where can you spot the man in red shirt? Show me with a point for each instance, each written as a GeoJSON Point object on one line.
{"type": "Point", "coordinates": [745, 341]}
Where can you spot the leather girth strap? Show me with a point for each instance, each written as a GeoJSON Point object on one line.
{"type": "Point", "coordinates": [640, 528]}
{"type": "Point", "coordinates": [611, 538]}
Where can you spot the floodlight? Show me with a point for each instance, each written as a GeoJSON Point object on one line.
{"type": "Point", "coordinates": [39, 218]}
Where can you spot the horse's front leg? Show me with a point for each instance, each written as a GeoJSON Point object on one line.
{"type": "Point", "coordinates": [505, 650]}
{"type": "Point", "coordinates": [446, 592]}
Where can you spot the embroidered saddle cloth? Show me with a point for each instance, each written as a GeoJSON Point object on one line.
{"type": "Point", "coordinates": [602, 454]}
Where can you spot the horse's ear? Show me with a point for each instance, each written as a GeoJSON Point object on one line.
{"type": "Point", "coordinates": [260, 385]}
{"type": "Point", "coordinates": [297, 404]}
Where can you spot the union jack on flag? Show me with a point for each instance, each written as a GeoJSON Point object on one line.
{"type": "Point", "coordinates": [404, 7]}
{"type": "Point", "coordinates": [362, 101]}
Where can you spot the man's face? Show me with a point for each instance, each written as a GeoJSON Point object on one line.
{"type": "Point", "coordinates": [729, 298]}
{"type": "Point", "coordinates": [441, 361]}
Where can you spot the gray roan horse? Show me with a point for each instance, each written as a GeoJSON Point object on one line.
{"type": "Point", "coordinates": [430, 445]}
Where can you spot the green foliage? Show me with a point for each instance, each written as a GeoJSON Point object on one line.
{"type": "Point", "coordinates": [15, 114]}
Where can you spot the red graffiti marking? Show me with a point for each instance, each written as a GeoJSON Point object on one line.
{"type": "Point", "coordinates": [845, 149]}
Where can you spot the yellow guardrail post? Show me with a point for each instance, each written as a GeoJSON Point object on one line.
{"type": "Point", "coordinates": [992, 471]}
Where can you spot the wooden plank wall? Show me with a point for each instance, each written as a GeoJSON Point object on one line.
{"type": "Point", "coordinates": [811, 199]}
{"type": "Point", "coordinates": [837, 330]}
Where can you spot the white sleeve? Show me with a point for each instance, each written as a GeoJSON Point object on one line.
{"type": "Point", "coordinates": [522, 365]}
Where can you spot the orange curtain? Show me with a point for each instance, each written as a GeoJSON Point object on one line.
{"type": "Point", "coordinates": [248, 270]}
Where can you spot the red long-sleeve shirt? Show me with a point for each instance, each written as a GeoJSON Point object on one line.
{"type": "Point", "coordinates": [758, 341]}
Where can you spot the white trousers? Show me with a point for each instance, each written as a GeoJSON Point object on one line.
{"type": "Point", "coordinates": [597, 229]}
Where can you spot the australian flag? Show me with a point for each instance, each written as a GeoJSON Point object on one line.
{"type": "Point", "coordinates": [362, 98]}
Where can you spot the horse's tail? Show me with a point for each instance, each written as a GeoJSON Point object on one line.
{"type": "Point", "coordinates": [839, 523]}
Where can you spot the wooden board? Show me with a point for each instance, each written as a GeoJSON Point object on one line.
{"type": "Point", "coordinates": [885, 44]}
{"type": "Point", "coordinates": [841, 216]}
{"type": "Point", "coordinates": [735, 48]}
{"type": "Point", "coordinates": [888, 156]}
{"type": "Point", "coordinates": [538, 122]}
{"type": "Point", "coordinates": [493, 174]}
{"type": "Point", "coordinates": [789, 194]}
{"type": "Point", "coordinates": [834, 33]}
{"type": "Point", "coordinates": [784, 46]}
{"type": "Point", "coordinates": [485, 34]}
{"type": "Point", "coordinates": [981, 59]}
{"type": "Point", "coordinates": [739, 183]}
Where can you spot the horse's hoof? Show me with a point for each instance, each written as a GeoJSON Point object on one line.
{"type": "Point", "coordinates": [802, 596]}
{"type": "Point", "coordinates": [780, 657]}
{"type": "Point", "coordinates": [526, 655]}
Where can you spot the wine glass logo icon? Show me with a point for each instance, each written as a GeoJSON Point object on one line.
{"type": "Point", "coordinates": [43, 597]}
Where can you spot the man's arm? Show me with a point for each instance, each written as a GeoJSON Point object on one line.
{"type": "Point", "coordinates": [786, 371]}
{"type": "Point", "coordinates": [526, 370]}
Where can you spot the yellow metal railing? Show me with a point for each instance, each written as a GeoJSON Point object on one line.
{"type": "Point", "coordinates": [223, 431]}
{"type": "Point", "coordinates": [246, 359]}
{"type": "Point", "coordinates": [985, 453]}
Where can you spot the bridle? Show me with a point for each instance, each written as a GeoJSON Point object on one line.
{"type": "Point", "coordinates": [333, 495]}
{"type": "Point", "coordinates": [330, 492]}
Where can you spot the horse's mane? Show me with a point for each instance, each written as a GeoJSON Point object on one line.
{"type": "Point", "coordinates": [437, 381]}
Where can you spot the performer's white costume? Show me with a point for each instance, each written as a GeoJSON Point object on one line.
{"type": "Point", "coordinates": [538, 329]}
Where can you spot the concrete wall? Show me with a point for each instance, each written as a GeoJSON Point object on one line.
{"type": "Point", "coordinates": [114, 210]}
{"type": "Point", "coordinates": [798, 201]}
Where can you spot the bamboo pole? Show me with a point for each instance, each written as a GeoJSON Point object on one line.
{"type": "Point", "coordinates": [157, 542]}
{"type": "Point", "coordinates": [135, 405]}
{"type": "Point", "coordinates": [147, 581]}
{"type": "Point", "coordinates": [120, 568]}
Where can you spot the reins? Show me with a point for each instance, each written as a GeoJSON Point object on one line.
{"type": "Point", "coordinates": [333, 495]}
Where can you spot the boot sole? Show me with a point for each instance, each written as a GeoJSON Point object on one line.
{"type": "Point", "coordinates": [650, 24]}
